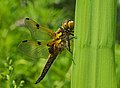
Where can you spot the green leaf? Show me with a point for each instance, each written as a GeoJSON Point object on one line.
{"type": "Point", "coordinates": [94, 51]}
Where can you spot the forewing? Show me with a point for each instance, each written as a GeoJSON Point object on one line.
{"type": "Point", "coordinates": [33, 49]}
{"type": "Point", "coordinates": [37, 31]}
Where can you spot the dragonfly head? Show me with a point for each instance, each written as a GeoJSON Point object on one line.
{"type": "Point", "coordinates": [69, 25]}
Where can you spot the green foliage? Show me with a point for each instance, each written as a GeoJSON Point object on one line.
{"type": "Point", "coordinates": [16, 70]}
{"type": "Point", "coordinates": [94, 48]}
{"type": "Point", "coordinates": [117, 60]}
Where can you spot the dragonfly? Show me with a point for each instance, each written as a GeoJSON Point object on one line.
{"type": "Point", "coordinates": [47, 42]}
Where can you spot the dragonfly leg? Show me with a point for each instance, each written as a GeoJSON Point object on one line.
{"type": "Point", "coordinates": [73, 61]}
{"type": "Point", "coordinates": [74, 37]}
{"type": "Point", "coordinates": [68, 43]}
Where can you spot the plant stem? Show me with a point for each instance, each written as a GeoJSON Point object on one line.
{"type": "Point", "coordinates": [94, 47]}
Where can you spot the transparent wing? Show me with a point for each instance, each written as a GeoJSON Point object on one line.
{"type": "Point", "coordinates": [33, 49]}
{"type": "Point", "coordinates": [37, 31]}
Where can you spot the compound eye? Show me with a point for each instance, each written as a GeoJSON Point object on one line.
{"type": "Point", "coordinates": [71, 24]}
{"type": "Point", "coordinates": [65, 25]}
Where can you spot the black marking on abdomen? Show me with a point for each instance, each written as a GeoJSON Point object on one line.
{"type": "Point", "coordinates": [51, 50]}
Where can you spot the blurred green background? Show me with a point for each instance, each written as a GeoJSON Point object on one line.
{"type": "Point", "coordinates": [19, 71]}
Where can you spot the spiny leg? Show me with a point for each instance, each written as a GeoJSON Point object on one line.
{"type": "Point", "coordinates": [74, 37]}
{"type": "Point", "coordinates": [68, 46]}
{"type": "Point", "coordinates": [68, 43]}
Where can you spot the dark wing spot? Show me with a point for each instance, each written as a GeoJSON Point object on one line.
{"type": "Point", "coordinates": [39, 43]}
{"type": "Point", "coordinates": [37, 25]}
{"type": "Point", "coordinates": [24, 41]}
{"type": "Point", "coordinates": [27, 18]}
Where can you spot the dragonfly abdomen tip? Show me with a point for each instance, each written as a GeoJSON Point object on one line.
{"type": "Point", "coordinates": [38, 81]}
